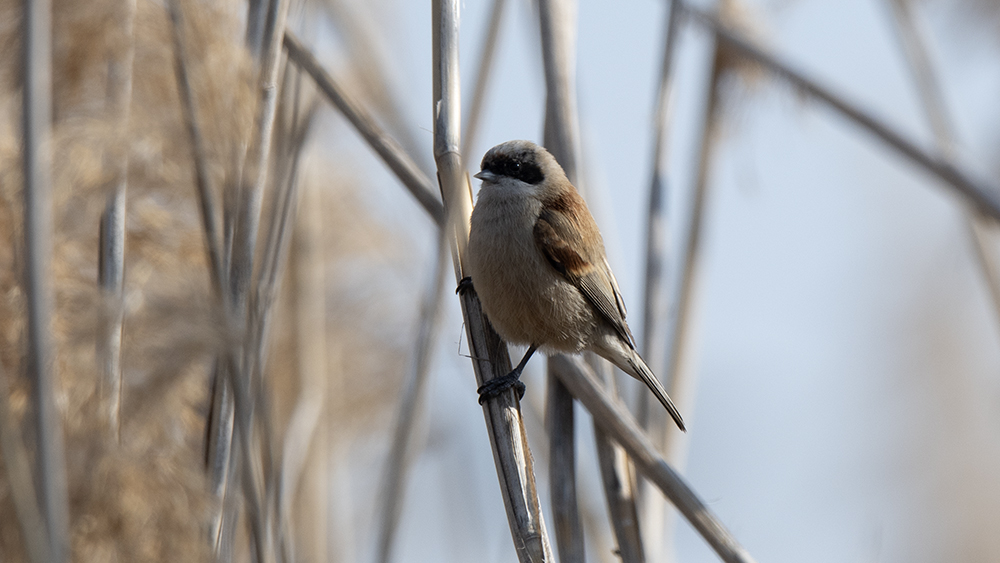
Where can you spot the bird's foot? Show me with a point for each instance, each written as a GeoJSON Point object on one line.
{"type": "Point", "coordinates": [497, 386]}
{"type": "Point", "coordinates": [464, 286]}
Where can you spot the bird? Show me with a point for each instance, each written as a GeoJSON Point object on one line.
{"type": "Point", "coordinates": [536, 260]}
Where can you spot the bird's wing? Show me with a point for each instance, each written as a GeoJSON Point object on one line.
{"type": "Point", "coordinates": [560, 243]}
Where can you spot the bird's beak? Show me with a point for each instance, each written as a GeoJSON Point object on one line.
{"type": "Point", "coordinates": [486, 176]}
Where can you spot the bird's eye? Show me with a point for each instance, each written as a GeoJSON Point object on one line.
{"type": "Point", "coordinates": [515, 167]}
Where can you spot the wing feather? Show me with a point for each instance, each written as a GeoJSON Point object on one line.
{"type": "Point", "coordinates": [562, 246]}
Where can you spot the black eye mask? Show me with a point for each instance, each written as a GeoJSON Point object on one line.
{"type": "Point", "coordinates": [526, 171]}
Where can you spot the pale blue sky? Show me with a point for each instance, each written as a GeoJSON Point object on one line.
{"type": "Point", "coordinates": [849, 393]}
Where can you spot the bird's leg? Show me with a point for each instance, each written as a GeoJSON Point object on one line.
{"type": "Point", "coordinates": [464, 286]}
{"type": "Point", "coordinates": [498, 385]}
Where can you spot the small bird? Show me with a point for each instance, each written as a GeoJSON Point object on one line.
{"type": "Point", "coordinates": [536, 259]}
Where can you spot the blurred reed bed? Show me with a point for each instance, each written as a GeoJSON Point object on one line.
{"type": "Point", "coordinates": [306, 312]}
{"type": "Point", "coordinates": [145, 497]}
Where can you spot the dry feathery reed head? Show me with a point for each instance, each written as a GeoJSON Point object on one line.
{"type": "Point", "coordinates": [737, 77]}
{"type": "Point", "coordinates": [146, 498]}
{"type": "Point", "coordinates": [367, 339]}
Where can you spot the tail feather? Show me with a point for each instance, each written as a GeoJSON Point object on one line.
{"type": "Point", "coordinates": [642, 372]}
{"type": "Point", "coordinates": [613, 348]}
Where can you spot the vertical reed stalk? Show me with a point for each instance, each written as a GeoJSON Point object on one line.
{"type": "Point", "coordinates": [489, 354]}
{"type": "Point", "coordinates": [248, 392]}
{"type": "Point", "coordinates": [655, 308]}
{"type": "Point", "coordinates": [622, 427]}
{"type": "Point", "coordinates": [390, 151]}
{"type": "Point", "coordinates": [411, 408]}
{"type": "Point", "coordinates": [562, 473]}
{"type": "Point", "coordinates": [619, 480]}
{"type": "Point", "coordinates": [557, 19]}
{"type": "Point", "coordinates": [252, 191]}
{"type": "Point", "coordinates": [483, 73]}
{"type": "Point", "coordinates": [656, 312]}
{"type": "Point", "coordinates": [36, 96]}
{"type": "Point", "coordinates": [304, 445]}
{"type": "Point", "coordinates": [932, 98]}
{"type": "Point", "coordinates": [111, 265]}
{"type": "Point", "coordinates": [17, 468]}
{"type": "Point", "coordinates": [682, 367]}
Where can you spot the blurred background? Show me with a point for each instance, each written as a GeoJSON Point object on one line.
{"type": "Point", "coordinates": [842, 386]}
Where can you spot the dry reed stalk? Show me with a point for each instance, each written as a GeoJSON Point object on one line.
{"type": "Point", "coordinates": [561, 137]}
{"type": "Point", "coordinates": [282, 209]}
{"type": "Point", "coordinates": [17, 469]}
{"type": "Point", "coordinates": [111, 262]}
{"type": "Point", "coordinates": [401, 164]}
{"type": "Point", "coordinates": [36, 97]}
{"type": "Point", "coordinates": [682, 371]}
{"type": "Point", "coordinates": [562, 129]}
{"type": "Point", "coordinates": [619, 480]}
{"type": "Point", "coordinates": [258, 157]}
{"type": "Point", "coordinates": [225, 403]}
{"type": "Point", "coordinates": [680, 374]}
{"type": "Point", "coordinates": [932, 98]}
{"type": "Point", "coordinates": [977, 193]}
{"type": "Point", "coordinates": [489, 354]}
{"type": "Point", "coordinates": [384, 145]}
{"type": "Point", "coordinates": [655, 306]}
{"type": "Point", "coordinates": [221, 422]}
{"type": "Point", "coordinates": [622, 427]}
{"type": "Point", "coordinates": [304, 447]}
{"type": "Point", "coordinates": [256, 21]}
{"type": "Point", "coordinates": [559, 419]}
{"type": "Point", "coordinates": [483, 72]}
{"type": "Point", "coordinates": [189, 110]}
{"type": "Point", "coordinates": [373, 72]}
{"type": "Point", "coordinates": [411, 407]}
{"type": "Point", "coordinates": [250, 412]}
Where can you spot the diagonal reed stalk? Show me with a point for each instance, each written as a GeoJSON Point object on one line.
{"type": "Point", "coordinates": [232, 393]}
{"type": "Point", "coordinates": [238, 390]}
{"type": "Point", "coordinates": [618, 478]}
{"type": "Point", "coordinates": [557, 19]}
{"type": "Point", "coordinates": [189, 110]}
{"type": "Point", "coordinates": [390, 151]}
{"type": "Point", "coordinates": [221, 419]}
{"type": "Point", "coordinates": [111, 263]}
{"type": "Point", "coordinates": [36, 51]}
{"type": "Point", "coordinates": [411, 408]}
{"type": "Point", "coordinates": [932, 98]}
{"type": "Point", "coordinates": [978, 194]}
{"type": "Point", "coordinates": [622, 427]}
{"type": "Point", "coordinates": [489, 354]}
{"type": "Point", "coordinates": [371, 72]}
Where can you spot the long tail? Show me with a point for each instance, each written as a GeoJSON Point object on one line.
{"type": "Point", "coordinates": [642, 372]}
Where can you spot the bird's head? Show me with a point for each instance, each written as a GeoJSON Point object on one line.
{"type": "Point", "coordinates": [521, 165]}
